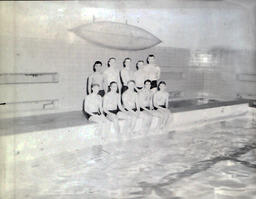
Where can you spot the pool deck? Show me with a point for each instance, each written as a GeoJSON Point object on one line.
{"type": "Point", "coordinates": [10, 126]}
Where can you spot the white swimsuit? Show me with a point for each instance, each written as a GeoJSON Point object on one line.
{"type": "Point", "coordinates": [110, 75]}
{"type": "Point", "coordinates": [129, 99]}
{"type": "Point", "coordinates": [92, 103]}
{"type": "Point", "coordinates": [110, 101]}
{"type": "Point", "coordinates": [160, 98]}
{"type": "Point", "coordinates": [145, 97]}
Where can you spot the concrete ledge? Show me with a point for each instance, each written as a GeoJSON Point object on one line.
{"type": "Point", "coordinates": [32, 145]}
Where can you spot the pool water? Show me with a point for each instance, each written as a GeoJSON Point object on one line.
{"type": "Point", "coordinates": [216, 161]}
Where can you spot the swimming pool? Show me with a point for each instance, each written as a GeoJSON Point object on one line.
{"type": "Point", "coordinates": [214, 161]}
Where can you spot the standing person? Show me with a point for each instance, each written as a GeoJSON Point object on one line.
{"type": "Point", "coordinates": [139, 75]}
{"type": "Point", "coordinates": [126, 74]}
{"type": "Point", "coordinates": [112, 107]}
{"type": "Point", "coordinates": [92, 106]}
{"type": "Point", "coordinates": [130, 103]}
{"type": "Point", "coordinates": [96, 78]}
{"type": "Point", "coordinates": [160, 102]}
{"type": "Point", "coordinates": [111, 74]}
{"type": "Point", "coordinates": [152, 71]}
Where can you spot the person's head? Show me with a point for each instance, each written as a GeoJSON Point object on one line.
{"type": "Point", "coordinates": [97, 66]}
{"type": "Point", "coordinates": [131, 84]}
{"type": "Point", "coordinates": [161, 86]}
{"type": "Point", "coordinates": [127, 62]}
{"type": "Point", "coordinates": [111, 61]}
{"type": "Point", "coordinates": [151, 59]}
{"type": "Point", "coordinates": [139, 64]}
{"type": "Point", "coordinates": [147, 84]}
{"type": "Point", "coordinates": [95, 88]}
{"type": "Point", "coordinates": [113, 86]}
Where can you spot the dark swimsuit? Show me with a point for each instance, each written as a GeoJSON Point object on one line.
{"type": "Point", "coordinates": [101, 93]}
{"type": "Point", "coordinates": [163, 106]}
{"type": "Point", "coordinates": [134, 109]}
{"type": "Point", "coordinates": [138, 89]}
{"type": "Point", "coordinates": [87, 115]}
{"type": "Point", "coordinates": [147, 107]}
{"type": "Point", "coordinates": [112, 111]}
{"type": "Point", "coordinates": [153, 84]}
{"type": "Point", "coordinates": [123, 89]}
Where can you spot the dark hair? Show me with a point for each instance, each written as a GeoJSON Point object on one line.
{"type": "Point", "coordinates": [162, 82]}
{"type": "Point", "coordinates": [110, 60]}
{"type": "Point", "coordinates": [138, 63]}
{"type": "Point", "coordinates": [97, 62]}
{"type": "Point", "coordinates": [151, 55]}
{"type": "Point", "coordinates": [127, 58]}
{"type": "Point", "coordinates": [147, 81]}
{"type": "Point", "coordinates": [94, 85]}
{"type": "Point", "coordinates": [131, 81]}
{"type": "Point", "coordinates": [111, 83]}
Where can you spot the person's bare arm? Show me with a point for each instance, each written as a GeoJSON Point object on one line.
{"type": "Point", "coordinates": [158, 73]}
{"type": "Point", "coordinates": [119, 104]}
{"type": "Point", "coordinates": [104, 106]}
{"type": "Point", "coordinates": [86, 105]}
{"type": "Point", "coordinates": [101, 106]}
{"type": "Point", "coordinates": [155, 101]}
{"type": "Point", "coordinates": [167, 101]}
{"type": "Point", "coordinates": [105, 83]}
{"type": "Point", "coordinates": [89, 86]}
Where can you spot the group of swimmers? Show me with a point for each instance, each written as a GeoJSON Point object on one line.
{"type": "Point", "coordinates": [112, 94]}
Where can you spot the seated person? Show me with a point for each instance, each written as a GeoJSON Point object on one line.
{"type": "Point", "coordinates": [139, 75]}
{"type": "Point", "coordinates": [112, 107]}
{"type": "Point", "coordinates": [160, 102]}
{"type": "Point", "coordinates": [130, 103]}
{"type": "Point", "coordinates": [126, 74]}
{"type": "Point", "coordinates": [96, 78]}
{"type": "Point", "coordinates": [92, 107]}
{"type": "Point", "coordinates": [145, 97]}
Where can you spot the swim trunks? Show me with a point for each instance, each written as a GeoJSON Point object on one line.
{"type": "Point", "coordinates": [163, 106]}
{"type": "Point", "coordinates": [153, 84]}
{"type": "Point", "coordinates": [101, 93]}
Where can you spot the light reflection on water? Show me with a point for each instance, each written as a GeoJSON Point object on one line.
{"type": "Point", "coordinates": [216, 161]}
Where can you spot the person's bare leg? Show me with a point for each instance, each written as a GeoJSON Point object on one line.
{"type": "Point", "coordinates": [159, 115]}
{"type": "Point", "coordinates": [133, 121]}
{"type": "Point", "coordinates": [114, 119]}
{"type": "Point", "coordinates": [99, 125]}
{"type": "Point", "coordinates": [106, 125]}
{"type": "Point", "coordinates": [146, 121]}
{"type": "Point", "coordinates": [126, 127]}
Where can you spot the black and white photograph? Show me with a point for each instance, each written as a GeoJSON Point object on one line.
{"type": "Point", "coordinates": [128, 99]}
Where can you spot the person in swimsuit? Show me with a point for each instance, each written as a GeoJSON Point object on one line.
{"type": "Point", "coordinates": [126, 74]}
{"type": "Point", "coordinates": [96, 78]}
{"type": "Point", "coordinates": [139, 75]}
{"type": "Point", "coordinates": [112, 107]}
{"type": "Point", "coordinates": [111, 74]}
{"type": "Point", "coordinates": [160, 102]}
{"type": "Point", "coordinates": [146, 104]}
{"type": "Point", "coordinates": [92, 106]}
{"type": "Point", "coordinates": [130, 103]}
{"type": "Point", "coordinates": [152, 71]}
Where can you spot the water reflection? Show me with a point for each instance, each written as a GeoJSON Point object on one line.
{"type": "Point", "coordinates": [215, 161]}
